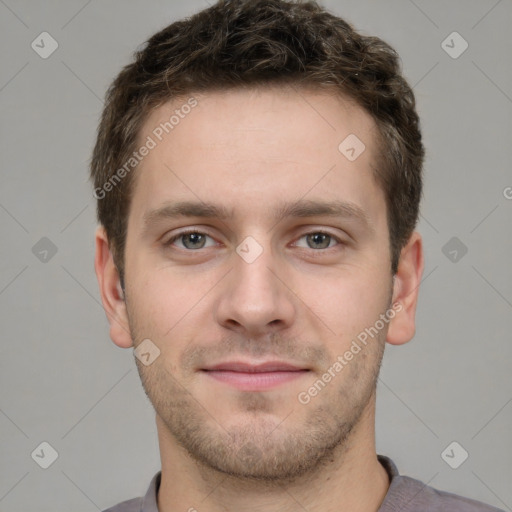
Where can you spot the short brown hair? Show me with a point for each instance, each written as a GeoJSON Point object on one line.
{"type": "Point", "coordinates": [254, 43]}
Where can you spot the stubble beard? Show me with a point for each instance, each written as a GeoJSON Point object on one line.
{"type": "Point", "coordinates": [295, 441]}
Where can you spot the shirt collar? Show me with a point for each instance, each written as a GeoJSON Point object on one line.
{"type": "Point", "coordinates": [393, 499]}
{"type": "Point", "coordinates": [149, 502]}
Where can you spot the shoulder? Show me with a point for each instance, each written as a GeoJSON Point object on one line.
{"type": "Point", "coordinates": [423, 497]}
{"type": "Point", "coordinates": [408, 494]}
{"type": "Point", "coordinates": [147, 503]}
{"type": "Point", "coordinates": [133, 505]}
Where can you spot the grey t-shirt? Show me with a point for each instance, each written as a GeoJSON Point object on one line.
{"type": "Point", "coordinates": [405, 494]}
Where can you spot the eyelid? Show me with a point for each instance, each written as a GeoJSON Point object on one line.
{"type": "Point", "coordinates": [323, 232]}
{"type": "Point", "coordinates": [189, 231]}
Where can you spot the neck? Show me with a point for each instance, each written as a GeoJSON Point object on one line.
{"type": "Point", "coordinates": [351, 480]}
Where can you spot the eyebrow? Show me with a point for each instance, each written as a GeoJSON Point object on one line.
{"type": "Point", "coordinates": [300, 208]}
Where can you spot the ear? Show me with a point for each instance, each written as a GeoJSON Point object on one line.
{"type": "Point", "coordinates": [405, 291]}
{"type": "Point", "coordinates": [112, 295]}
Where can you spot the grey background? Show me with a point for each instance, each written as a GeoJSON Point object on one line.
{"type": "Point", "coordinates": [64, 382]}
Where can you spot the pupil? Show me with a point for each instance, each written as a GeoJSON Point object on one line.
{"type": "Point", "coordinates": [194, 238]}
{"type": "Point", "coordinates": [319, 238]}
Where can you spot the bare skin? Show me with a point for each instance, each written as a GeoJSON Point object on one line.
{"type": "Point", "coordinates": [302, 301]}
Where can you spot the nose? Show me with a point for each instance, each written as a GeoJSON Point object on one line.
{"type": "Point", "coordinates": [255, 298]}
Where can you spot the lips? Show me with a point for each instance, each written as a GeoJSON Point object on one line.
{"type": "Point", "coordinates": [271, 366]}
{"type": "Point", "coordinates": [255, 377]}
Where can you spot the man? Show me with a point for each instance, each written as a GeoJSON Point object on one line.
{"type": "Point", "coordinates": [258, 176]}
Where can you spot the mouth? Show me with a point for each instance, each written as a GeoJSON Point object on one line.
{"type": "Point", "coordinates": [255, 377]}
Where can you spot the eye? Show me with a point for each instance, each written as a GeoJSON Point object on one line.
{"type": "Point", "coordinates": [191, 240]}
{"type": "Point", "coordinates": [319, 240]}
{"type": "Point", "coordinates": [194, 240]}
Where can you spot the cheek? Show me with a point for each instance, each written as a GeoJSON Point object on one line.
{"type": "Point", "coordinates": [350, 301]}
{"type": "Point", "coordinates": [167, 305]}
{"type": "Point", "coordinates": [150, 302]}
{"type": "Point", "coordinates": [160, 306]}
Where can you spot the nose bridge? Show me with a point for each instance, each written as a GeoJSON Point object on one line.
{"type": "Point", "coordinates": [254, 298]}
{"type": "Point", "coordinates": [252, 267]}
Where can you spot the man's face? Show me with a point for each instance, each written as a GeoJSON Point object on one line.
{"type": "Point", "coordinates": [253, 289]}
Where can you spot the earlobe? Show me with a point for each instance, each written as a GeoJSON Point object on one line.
{"type": "Point", "coordinates": [405, 291]}
{"type": "Point", "coordinates": [112, 295]}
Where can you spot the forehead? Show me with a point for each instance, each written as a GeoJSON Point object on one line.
{"type": "Point", "coordinates": [249, 149]}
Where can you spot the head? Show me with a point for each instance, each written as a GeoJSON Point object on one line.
{"type": "Point", "coordinates": [303, 134]}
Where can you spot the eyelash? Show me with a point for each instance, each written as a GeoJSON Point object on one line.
{"type": "Point", "coordinates": [169, 242]}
